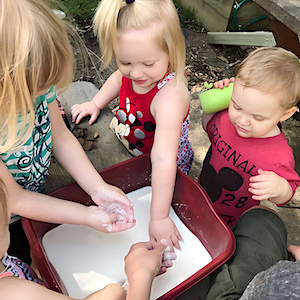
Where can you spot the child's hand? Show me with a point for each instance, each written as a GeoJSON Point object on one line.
{"type": "Point", "coordinates": [267, 185]}
{"type": "Point", "coordinates": [148, 258]}
{"type": "Point", "coordinates": [106, 222]}
{"type": "Point", "coordinates": [165, 229]}
{"type": "Point", "coordinates": [79, 111]}
{"type": "Point", "coordinates": [113, 200]}
{"type": "Point", "coordinates": [223, 83]}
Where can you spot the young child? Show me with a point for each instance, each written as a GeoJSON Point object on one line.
{"type": "Point", "coordinates": [19, 281]}
{"type": "Point", "coordinates": [145, 38]}
{"type": "Point", "coordinates": [35, 57]}
{"type": "Point", "coordinates": [249, 159]}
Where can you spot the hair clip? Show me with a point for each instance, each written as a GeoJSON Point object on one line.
{"type": "Point", "coordinates": [129, 1]}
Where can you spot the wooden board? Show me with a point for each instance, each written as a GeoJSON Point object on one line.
{"type": "Point", "coordinates": [285, 11]}
{"type": "Point", "coordinates": [212, 14]}
{"type": "Point", "coordinates": [257, 38]}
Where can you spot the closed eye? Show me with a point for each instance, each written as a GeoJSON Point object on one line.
{"type": "Point", "coordinates": [236, 107]}
{"type": "Point", "coordinates": [149, 64]}
{"type": "Point", "coordinates": [258, 118]}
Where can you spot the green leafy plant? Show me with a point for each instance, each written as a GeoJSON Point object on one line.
{"type": "Point", "coordinates": [83, 9]}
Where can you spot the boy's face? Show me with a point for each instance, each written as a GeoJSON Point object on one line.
{"type": "Point", "coordinates": [253, 113]}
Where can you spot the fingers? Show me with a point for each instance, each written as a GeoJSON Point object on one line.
{"type": "Point", "coordinates": [79, 111]}
{"type": "Point", "coordinates": [125, 212]}
{"type": "Point", "coordinates": [223, 83]}
{"type": "Point", "coordinates": [80, 117]}
{"type": "Point", "coordinates": [75, 112]}
{"type": "Point", "coordinates": [121, 226]}
{"type": "Point", "coordinates": [93, 118]}
{"type": "Point", "coordinates": [169, 254]}
{"type": "Point", "coordinates": [145, 245]}
{"type": "Point", "coordinates": [175, 239]}
{"type": "Point", "coordinates": [152, 238]}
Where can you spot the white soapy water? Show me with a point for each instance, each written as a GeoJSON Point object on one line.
{"type": "Point", "coordinates": [87, 260]}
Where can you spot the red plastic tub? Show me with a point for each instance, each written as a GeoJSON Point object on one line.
{"type": "Point", "coordinates": [200, 218]}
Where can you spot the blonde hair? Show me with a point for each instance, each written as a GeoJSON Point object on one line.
{"type": "Point", "coordinates": [113, 15]}
{"type": "Point", "coordinates": [272, 71]}
{"type": "Point", "coordinates": [35, 54]}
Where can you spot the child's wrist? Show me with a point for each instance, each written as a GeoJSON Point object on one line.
{"type": "Point", "coordinates": [95, 104]}
{"type": "Point", "coordinates": [159, 218]}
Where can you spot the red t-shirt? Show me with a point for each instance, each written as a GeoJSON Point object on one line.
{"type": "Point", "coordinates": [232, 160]}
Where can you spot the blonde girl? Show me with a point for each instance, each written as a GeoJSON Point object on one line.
{"type": "Point", "coordinates": [35, 61]}
{"type": "Point", "coordinates": [145, 38]}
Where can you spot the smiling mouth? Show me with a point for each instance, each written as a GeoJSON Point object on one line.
{"type": "Point", "coordinates": [139, 81]}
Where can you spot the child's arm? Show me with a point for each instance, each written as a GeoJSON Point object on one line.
{"type": "Point", "coordinates": [269, 185]}
{"type": "Point", "coordinates": [169, 108]}
{"type": "Point", "coordinates": [12, 288]}
{"type": "Point", "coordinates": [49, 209]}
{"type": "Point", "coordinates": [143, 262]}
{"type": "Point", "coordinates": [107, 93]}
{"type": "Point", "coordinates": [71, 156]}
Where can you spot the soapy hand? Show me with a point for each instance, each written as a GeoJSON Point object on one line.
{"type": "Point", "coordinates": [79, 111]}
{"type": "Point", "coordinates": [148, 258]}
{"type": "Point", "coordinates": [113, 200]}
{"type": "Point", "coordinates": [165, 229]}
{"type": "Point", "coordinates": [107, 222]}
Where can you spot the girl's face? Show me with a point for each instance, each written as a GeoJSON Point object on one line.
{"type": "Point", "coordinates": [140, 60]}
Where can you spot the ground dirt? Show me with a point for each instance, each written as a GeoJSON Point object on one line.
{"type": "Point", "coordinates": [204, 63]}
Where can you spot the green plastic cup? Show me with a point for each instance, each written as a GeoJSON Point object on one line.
{"type": "Point", "coordinates": [215, 100]}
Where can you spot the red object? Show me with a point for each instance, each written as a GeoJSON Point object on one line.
{"type": "Point", "coordinates": [198, 215]}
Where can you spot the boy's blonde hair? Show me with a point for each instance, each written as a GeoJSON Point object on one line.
{"type": "Point", "coordinates": [113, 15]}
{"type": "Point", "coordinates": [272, 71]}
{"type": "Point", "coordinates": [35, 54]}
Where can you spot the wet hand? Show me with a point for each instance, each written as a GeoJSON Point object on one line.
{"type": "Point", "coordinates": [114, 200]}
{"type": "Point", "coordinates": [103, 221]}
{"type": "Point", "coordinates": [165, 229]}
{"type": "Point", "coordinates": [148, 257]}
